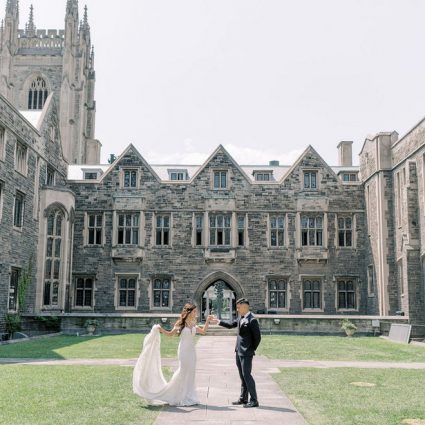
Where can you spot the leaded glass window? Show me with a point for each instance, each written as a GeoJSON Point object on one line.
{"type": "Point", "coordinates": [161, 292]}
{"type": "Point", "coordinates": [220, 229]}
{"type": "Point", "coordinates": [311, 230]}
{"type": "Point", "coordinates": [37, 94]}
{"type": "Point", "coordinates": [277, 293]}
{"type": "Point", "coordinates": [312, 293]}
{"type": "Point", "coordinates": [53, 262]}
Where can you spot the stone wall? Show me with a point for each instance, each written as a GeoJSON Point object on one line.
{"type": "Point", "coordinates": [248, 267]}
{"type": "Point", "coordinates": [19, 246]}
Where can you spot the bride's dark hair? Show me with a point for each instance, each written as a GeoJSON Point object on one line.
{"type": "Point", "coordinates": [181, 323]}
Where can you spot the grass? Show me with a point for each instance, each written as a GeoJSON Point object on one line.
{"type": "Point", "coordinates": [71, 395]}
{"type": "Point", "coordinates": [294, 347]}
{"type": "Point", "coordinates": [123, 346]}
{"type": "Point", "coordinates": [325, 396]}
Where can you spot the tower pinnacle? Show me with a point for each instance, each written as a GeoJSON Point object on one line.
{"type": "Point", "coordinates": [84, 24]}
{"type": "Point", "coordinates": [30, 27]}
{"type": "Point", "coordinates": [12, 8]}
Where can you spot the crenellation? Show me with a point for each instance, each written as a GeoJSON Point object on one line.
{"type": "Point", "coordinates": [30, 68]}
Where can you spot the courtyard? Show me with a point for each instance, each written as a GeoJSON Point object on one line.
{"type": "Point", "coordinates": [301, 379]}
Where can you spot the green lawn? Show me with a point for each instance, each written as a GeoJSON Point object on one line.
{"type": "Point", "coordinates": [71, 395]}
{"type": "Point", "coordinates": [295, 347]}
{"type": "Point", "coordinates": [325, 396]}
{"type": "Point", "coordinates": [122, 346]}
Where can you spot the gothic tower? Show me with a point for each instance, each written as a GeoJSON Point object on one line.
{"type": "Point", "coordinates": [36, 62]}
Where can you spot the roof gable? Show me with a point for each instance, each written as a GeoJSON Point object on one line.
{"type": "Point", "coordinates": [220, 150]}
{"type": "Point", "coordinates": [310, 158]}
{"type": "Point", "coordinates": [121, 159]}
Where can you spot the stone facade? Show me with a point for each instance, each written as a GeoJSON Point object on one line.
{"type": "Point", "coordinates": [246, 268]}
{"type": "Point", "coordinates": [36, 62]}
{"type": "Point", "coordinates": [393, 173]}
{"type": "Point", "coordinates": [128, 241]}
{"type": "Point", "coordinates": [29, 187]}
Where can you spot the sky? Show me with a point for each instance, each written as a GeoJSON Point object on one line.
{"type": "Point", "coordinates": [264, 78]}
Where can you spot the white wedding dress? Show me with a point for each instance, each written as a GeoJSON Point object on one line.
{"type": "Point", "coordinates": [148, 380]}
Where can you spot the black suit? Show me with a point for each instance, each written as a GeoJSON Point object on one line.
{"type": "Point", "coordinates": [249, 337]}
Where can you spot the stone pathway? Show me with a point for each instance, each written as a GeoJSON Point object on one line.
{"type": "Point", "coordinates": [262, 364]}
{"type": "Point", "coordinates": [218, 385]}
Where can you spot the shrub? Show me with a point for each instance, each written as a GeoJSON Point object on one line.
{"type": "Point", "coordinates": [13, 323]}
{"type": "Point", "coordinates": [52, 323]}
{"type": "Point", "coordinates": [346, 324]}
{"type": "Point", "coordinates": [93, 322]}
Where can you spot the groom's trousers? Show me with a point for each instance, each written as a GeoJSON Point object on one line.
{"type": "Point", "coordinates": [244, 364]}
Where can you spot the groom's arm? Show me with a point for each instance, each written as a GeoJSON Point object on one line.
{"type": "Point", "coordinates": [228, 325]}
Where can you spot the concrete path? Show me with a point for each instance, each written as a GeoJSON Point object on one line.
{"type": "Point", "coordinates": [261, 364]}
{"type": "Point", "coordinates": [218, 385]}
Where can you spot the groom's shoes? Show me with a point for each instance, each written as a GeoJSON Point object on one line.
{"type": "Point", "coordinates": [252, 403]}
{"type": "Point", "coordinates": [240, 401]}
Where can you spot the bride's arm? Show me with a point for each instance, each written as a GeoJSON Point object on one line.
{"type": "Point", "coordinates": [203, 330]}
{"type": "Point", "coordinates": [168, 333]}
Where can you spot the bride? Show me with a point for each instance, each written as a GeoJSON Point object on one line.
{"type": "Point", "coordinates": [148, 380]}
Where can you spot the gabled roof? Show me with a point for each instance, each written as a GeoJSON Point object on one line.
{"type": "Point", "coordinates": [161, 171]}
{"type": "Point", "coordinates": [296, 164]}
{"type": "Point", "coordinates": [120, 157]}
{"type": "Point", "coordinates": [221, 148]}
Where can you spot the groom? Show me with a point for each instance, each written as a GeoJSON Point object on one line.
{"type": "Point", "coordinates": [248, 339]}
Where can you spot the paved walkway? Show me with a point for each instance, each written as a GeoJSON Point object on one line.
{"type": "Point", "coordinates": [218, 385]}
{"type": "Point", "coordinates": [261, 364]}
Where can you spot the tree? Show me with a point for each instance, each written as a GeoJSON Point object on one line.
{"type": "Point", "coordinates": [24, 281]}
{"type": "Point", "coordinates": [219, 289]}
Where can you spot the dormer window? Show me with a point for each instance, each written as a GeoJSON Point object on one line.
{"type": "Point", "coordinates": [220, 180]}
{"type": "Point", "coordinates": [37, 94]}
{"type": "Point", "coordinates": [129, 178]}
{"type": "Point", "coordinates": [349, 177]}
{"type": "Point", "coordinates": [89, 175]}
{"type": "Point", "coordinates": [92, 174]}
{"type": "Point", "coordinates": [263, 176]}
{"type": "Point", "coordinates": [177, 175]}
{"type": "Point", "coordinates": [310, 180]}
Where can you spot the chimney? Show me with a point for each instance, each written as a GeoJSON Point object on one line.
{"type": "Point", "coordinates": [345, 153]}
{"type": "Point", "coordinates": [274, 163]}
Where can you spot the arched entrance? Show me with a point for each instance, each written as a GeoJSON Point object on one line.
{"type": "Point", "coordinates": [219, 299]}
{"type": "Point", "coordinates": [214, 284]}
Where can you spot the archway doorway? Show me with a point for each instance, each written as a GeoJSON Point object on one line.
{"type": "Point", "coordinates": [219, 299]}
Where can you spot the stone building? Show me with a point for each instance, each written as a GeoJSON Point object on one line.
{"type": "Point", "coordinates": [130, 240]}
{"type": "Point", "coordinates": [36, 207]}
{"type": "Point", "coordinates": [393, 177]}
{"type": "Point", "coordinates": [38, 62]}
{"type": "Point", "coordinates": [150, 238]}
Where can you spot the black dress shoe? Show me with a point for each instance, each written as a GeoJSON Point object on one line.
{"type": "Point", "coordinates": [251, 404]}
{"type": "Point", "coordinates": [237, 402]}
